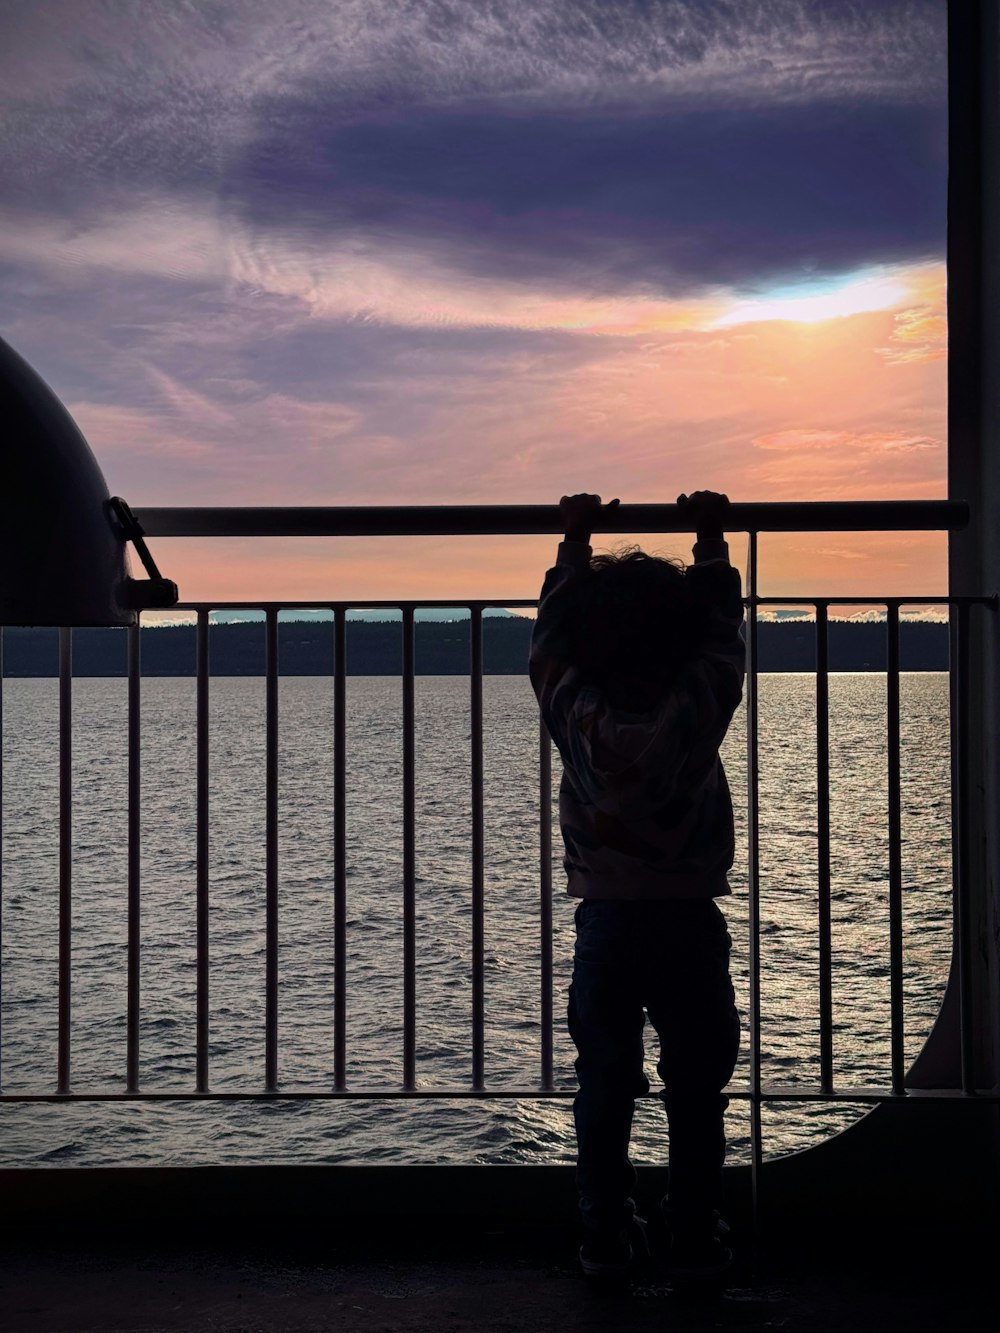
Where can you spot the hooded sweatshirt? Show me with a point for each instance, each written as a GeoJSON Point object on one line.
{"type": "Point", "coordinates": [644, 805]}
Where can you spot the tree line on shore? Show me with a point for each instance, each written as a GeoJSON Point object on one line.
{"type": "Point", "coordinates": [441, 648]}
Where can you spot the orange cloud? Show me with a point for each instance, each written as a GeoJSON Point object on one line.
{"type": "Point", "coordinates": [920, 334]}
{"type": "Point", "coordinates": [856, 564]}
{"type": "Point", "coordinates": [920, 328]}
{"type": "Point", "coordinates": [795, 441]}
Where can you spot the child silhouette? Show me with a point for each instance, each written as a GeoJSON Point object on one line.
{"type": "Point", "coordinates": [638, 666]}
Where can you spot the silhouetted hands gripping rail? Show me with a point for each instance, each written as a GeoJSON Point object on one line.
{"type": "Point", "coordinates": [580, 515]}
{"type": "Point", "coordinates": [707, 511]}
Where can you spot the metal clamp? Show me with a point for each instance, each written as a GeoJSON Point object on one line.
{"type": "Point", "coordinates": [156, 592]}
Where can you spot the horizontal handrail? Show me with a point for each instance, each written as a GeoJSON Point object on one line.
{"type": "Point", "coordinates": [263, 605]}
{"type": "Point", "coordinates": [524, 520]}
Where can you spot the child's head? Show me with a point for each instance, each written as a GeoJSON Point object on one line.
{"type": "Point", "coordinates": [638, 620]}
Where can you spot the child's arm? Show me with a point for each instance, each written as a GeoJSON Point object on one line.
{"type": "Point", "coordinates": [715, 678]}
{"type": "Point", "coordinates": [559, 608]}
{"type": "Point", "coordinates": [712, 578]}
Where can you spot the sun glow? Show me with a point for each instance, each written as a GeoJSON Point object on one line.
{"type": "Point", "coordinates": [810, 303]}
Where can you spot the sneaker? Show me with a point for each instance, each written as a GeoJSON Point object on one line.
{"type": "Point", "coordinates": [608, 1256]}
{"type": "Point", "coordinates": [698, 1259]}
{"type": "Point", "coordinates": [698, 1253]}
{"type": "Point", "coordinates": [713, 1222]}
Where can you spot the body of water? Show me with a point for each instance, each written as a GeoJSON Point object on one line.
{"type": "Point", "coordinates": [432, 1131]}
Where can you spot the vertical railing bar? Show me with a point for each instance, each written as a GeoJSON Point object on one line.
{"type": "Point", "coordinates": [954, 659]}
{"type": "Point", "coordinates": [753, 872]}
{"type": "Point", "coordinates": [897, 1055]}
{"type": "Point", "coordinates": [134, 855]}
{"type": "Point", "coordinates": [960, 842]}
{"type": "Point", "coordinates": [545, 882]}
{"type": "Point", "coordinates": [201, 856]}
{"type": "Point", "coordinates": [271, 853]}
{"type": "Point", "coordinates": [409, 859]}
{"type": "Point", "coordinates": [478, 899]}
{"type": "Point", "coordinates": [823, 846]}
{"type": "Point", "coordinates": [1, 853]}
{"type": "Point", "coordinates": [65, 853]}
{"type": "Point", "coordinates": [340, 852]}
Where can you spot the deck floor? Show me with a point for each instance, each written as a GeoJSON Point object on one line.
{"type": "Point", "coordinates": [496, 1283]}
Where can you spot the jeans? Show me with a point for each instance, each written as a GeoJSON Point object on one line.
{"type": "Point", "coordinates": [670, 958]}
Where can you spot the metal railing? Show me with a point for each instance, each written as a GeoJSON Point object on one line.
{"type": "Point", "coordinates": [753, 519]}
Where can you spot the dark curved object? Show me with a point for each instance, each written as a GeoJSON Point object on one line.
{"type": "Point", "coordinates": [62, 541]}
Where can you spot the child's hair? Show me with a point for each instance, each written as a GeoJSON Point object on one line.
{"type": "Point", "coordinates": [638, 620]}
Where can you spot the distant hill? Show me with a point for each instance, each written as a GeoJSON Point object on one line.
{"type": "Point", "coordinates": [305, 648]}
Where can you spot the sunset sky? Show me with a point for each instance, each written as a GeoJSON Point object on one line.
{"type": "Point", "coordinates": [302, 252]}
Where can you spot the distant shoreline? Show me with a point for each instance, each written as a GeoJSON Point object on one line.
{"type": "Point", "coordinates": [441, 648]}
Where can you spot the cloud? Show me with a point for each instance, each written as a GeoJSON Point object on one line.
{"type": "Point", "coordinates": [833, 552]}
{"type": "Point", "coordinates": [341, 281]}
{"type": "Point", "coordinates": [181, 242]}
{"type": "Point", "coordinates": [187, 448]}
{"type": "Point", "coordinates": [582, 208]}
{"type": "Point", "coordinates": [601, 202]}
{"type": "Point", "coordinates": [797, 50]}
{"type": "Point", "coordinates": [833, 477]}
{"type": "Point", "coordinates": [187, 404]}
{"type": "Point", "coordinates": [652, 148]}
{"type": "Point", "coordinates": [117, 430]}
{"type": "Point", "coordinates": [920, 334]}
{"type": "Point", "coordinates": [844, 442]}
{"type": "Point", "coordinates": [935, 615]}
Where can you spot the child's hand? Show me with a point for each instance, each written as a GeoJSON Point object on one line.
{"type": "Point", "coordinates": [580, 514]}
{"type": "Point", "coordinates": [708, 511]}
